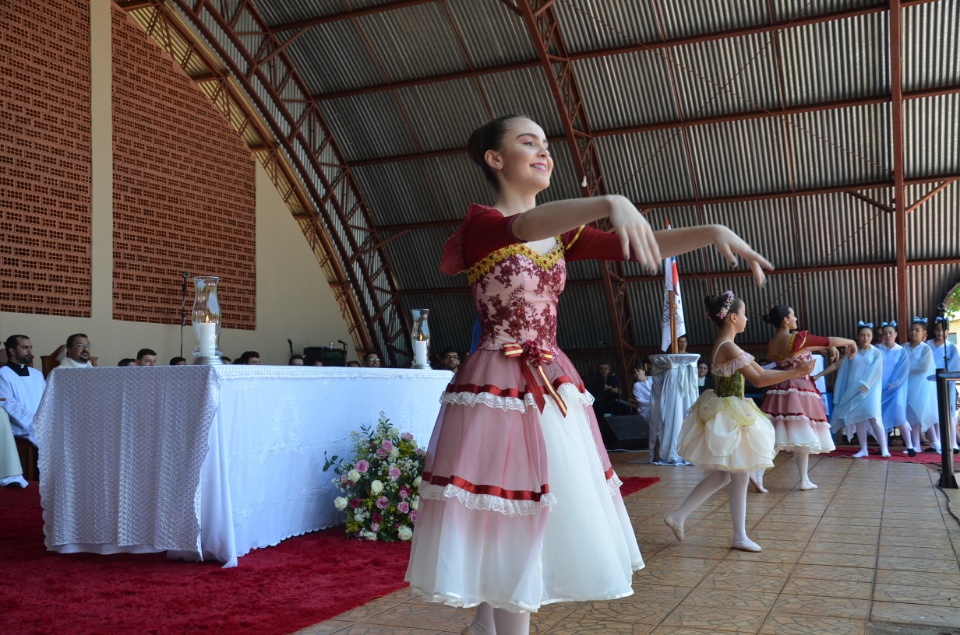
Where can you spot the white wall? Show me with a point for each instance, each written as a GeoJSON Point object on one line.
{"type": "Point", "coordinates": [293, 298]}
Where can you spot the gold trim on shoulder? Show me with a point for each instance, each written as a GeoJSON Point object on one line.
{"type": "Point", "coordinates": [793, 339]}
{"type": "Point", "coordinates": [545, 261]}
{"type": "Point", "coordinates": [579, 231]}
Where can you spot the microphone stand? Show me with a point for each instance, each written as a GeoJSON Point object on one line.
{"type": "Point", "coordinates": [183, 308]}
{"type": "Point", "coordinates": [947, 479]}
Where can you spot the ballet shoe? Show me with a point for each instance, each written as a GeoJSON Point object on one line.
{"type": "Point", "coordinates": [746, 545]}
{"type": "Point", "coordinates": [674, 527]}
{"type": "Point", "coordinates": [860, 454]}
{"type": "Point", "coordinates": [911, 452]}
{"type": "Point", "coordinates": [885, 455]}
{"type": "Point", "coordinates": [758, 485]}
{"type": "Point", "coordinates": [807, 485]}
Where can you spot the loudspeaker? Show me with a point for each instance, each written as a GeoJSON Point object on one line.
{"type": "Point", "coordinates": [630, 432]}
{"type": "Point", "coordinates": [330, 356]}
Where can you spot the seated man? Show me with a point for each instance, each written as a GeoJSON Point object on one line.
{"type": "Point", "coordinates": [249, 358]}
{"type": "Point", "coordinates": [21, 385]}
{"type": "Point", "coordinates": [371, 360]}
{"type": "Point", "coordinates": [178, 361]}
{"type": "Point", "coordinates": [126, 361]}
{"type": "Point", "coordinates": [449, 360]}
{"type": "Point", "coordinates": [78, 352]}
{"type": "Point", "coordinates": [146, 357]}
{"type": "Point", "coordinates": [295, 360]}
{"type": "Point", "coordinates": [11, 472]}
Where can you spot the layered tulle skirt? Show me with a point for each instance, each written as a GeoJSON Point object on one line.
{"type": "Point", "coordinates": [799, 420]}
{"type": "Point", "coordinates": [727, 433]}
{"type": "Point", "coordinates": [518, 508]}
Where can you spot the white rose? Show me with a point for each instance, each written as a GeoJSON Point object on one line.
{"type": "Point", "coordinates": [404, 533]}
{"type": "Point", "coordinates": [416, 482]}
{"type": "Point", "coordinates": [393, 433]}
{"type": "Point", "coordinates": [376, 487]}
{"type": "Point", "coordinates": [395, 452]}
{"type": "Point", "coordinates": [340, 503]}
{"type": "Point", "coordinates": [415, 502]}
{"type": "Point", "coordinates": [353, 475]}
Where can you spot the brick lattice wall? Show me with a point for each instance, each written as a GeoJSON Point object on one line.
{"type": "Point", "coordinates": [45, 209]}
{"type": "Point", "coordinates": [183, 189]}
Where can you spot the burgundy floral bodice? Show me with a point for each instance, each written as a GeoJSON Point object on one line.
{"type": "Point", "coordinates": [793, 360]}
{"type": "Point", "coordinates": [515, 290]}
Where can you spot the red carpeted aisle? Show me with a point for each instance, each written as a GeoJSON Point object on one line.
{"type": "Point", "coordinates": [281, 589]}
{"type": "Point", "coordinates": [896, 454]}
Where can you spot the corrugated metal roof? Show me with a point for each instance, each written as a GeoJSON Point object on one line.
{"type": "Point", "coordinates": [819, 63]}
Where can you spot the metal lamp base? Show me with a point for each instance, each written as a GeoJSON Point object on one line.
{"type": "Point", "coordinates": [208, 361]}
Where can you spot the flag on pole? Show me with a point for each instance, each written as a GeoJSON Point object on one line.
{"type": "Point", "coordinates": [671, 283]}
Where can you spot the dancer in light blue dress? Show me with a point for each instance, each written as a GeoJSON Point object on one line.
{"type": "Point", "coordinates": [856, 395]}
{"type": "Point", "coordinates": [921, 392]}
{"type": "Point", "coordinates": [940, 346]}
{"type": "Point", "coordinates": [896, 370]}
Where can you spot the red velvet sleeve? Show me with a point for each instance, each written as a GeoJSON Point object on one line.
{"type": "Point", "coordinates": [588, 243]}
{"type": "Point", "coordinates": [483, 231]}
{"type": "Point", "coordinates": [804, 340]}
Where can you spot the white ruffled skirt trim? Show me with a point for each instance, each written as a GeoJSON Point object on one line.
{"type": "Point", "coordinates": [571, 396]}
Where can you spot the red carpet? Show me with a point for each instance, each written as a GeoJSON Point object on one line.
{"type": "Point", "coordinates": [281, 589]}
{"type": "Point", "coordinates": [896, 454]}
{"type": "Point", "coordinates": [633, 484]}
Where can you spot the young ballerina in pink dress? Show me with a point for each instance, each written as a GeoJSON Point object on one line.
{"type": "Point", "coordinates": [725, 432]}
{"type": "Point", "coordinates": [519, 505]}
{"type": "Point", "coordinates": [794, 405]}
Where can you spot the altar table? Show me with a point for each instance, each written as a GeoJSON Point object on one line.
{"type": "Point", "coordinates": [208, 461]}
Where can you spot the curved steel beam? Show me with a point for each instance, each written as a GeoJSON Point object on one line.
{"type": "Point", "coordinates": [270, 82]}
{"type": "Point", "coordinates": [204, 69]}
{"type": "Point", "coordinates": [538, 16]}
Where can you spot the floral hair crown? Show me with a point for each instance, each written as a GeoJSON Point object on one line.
{"type": "Point", "coordinates": [727, 302]}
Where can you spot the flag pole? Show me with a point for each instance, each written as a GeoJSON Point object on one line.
{"type": "Point", "coordinates": [673, 313]}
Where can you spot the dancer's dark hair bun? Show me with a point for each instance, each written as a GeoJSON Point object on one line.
{"type": "Point", "coordinates": [775, 315]}
{"type": "Point", "coordinates": [720, 306]}
{"type": "Point", "coordinates": [489, 136]}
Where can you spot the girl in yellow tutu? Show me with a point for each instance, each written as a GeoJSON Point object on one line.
{"type": "Point", "coordinates": [724, 432]}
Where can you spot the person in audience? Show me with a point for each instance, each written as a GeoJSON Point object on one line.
{"type": "Point", "coordinates": [353, 364]}
{"type": "Point", "coordinates": [682, 344]}
{"type": "Point", "coordinates": [226, 360]}
{"type": "Point", "coordinates": [146, 357]}
{"type": "Point", "coordinates": [178, 361]}
{"type": "Point", "coordinates": [606, 391]}
{"type": "Point", "coordinates": [21, 386]}
{"type": "Point", "coordinates": [78, 352]}
{"type": "Point", "coordinates": [857, 401]}
{"type": "Point", "coordinates": [11, 472]}
{"type": "Point", "coordinates": [940, 347]}
{"type": "Point", "coordinates": [642, 391]}
{"type": "Point", "coordinates": [922, 413]}
{"type": "Point", "coordinates": [449, 360]}
{"type": "Point", "coordinates": [127, 361]}
{"type": "Point", "coordinates": [249, 358]}
{"type": "Point", "coordinates": [295, 360]}
{"type": "Point", "coordinates": [371, 360]}
{"type": "Point", "coordinates": [317, 362]}
{"type": "Point", "coordinates": [704, 378]}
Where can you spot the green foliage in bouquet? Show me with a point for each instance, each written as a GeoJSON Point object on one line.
{"type": "Point", "coordinates": [379, 486]}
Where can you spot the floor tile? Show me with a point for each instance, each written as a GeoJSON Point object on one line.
{"type": "Point", "coordinates": [719, 619]}
{"type": "Point", "coordinates": [787, 624]}
{"type": "Point", "coordinates": [927, 615]}
{"type": "Point", "coordinates": [818, 606]}
{"type": "Point", "coordinates": [918, 595]}
{"type": "Point", "coordinates": [829, 588]}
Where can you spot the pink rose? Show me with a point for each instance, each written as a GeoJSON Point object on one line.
{"type": "Point", "coordinates": [382, 453]}
{"type": "Point", "coordinates": [387, 445]}
{"type": "Point", "coordinates": [403, 507]}
{"type": "Point", "coordinates": [362, 466]}
{"type": "Point", "coordinates": [383, 502]}
{"type": "Point", "coordinates": [375, 527]}
{"type": "Point", "coordinates": [404, 493]}
{"type": "Point", "coordinates": [406, 436]}
{"type": "Point", "coordinates": [413, 516]}
{"type": "Point", "coordinates": [421, 452]}
{"type": "Point", "coordinates": [355, 503]}
{"type": "Point", "coordinates": [394, 473]}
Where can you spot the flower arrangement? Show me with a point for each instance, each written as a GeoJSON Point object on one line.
{"type": "Point", "coordinates": [379, 484]}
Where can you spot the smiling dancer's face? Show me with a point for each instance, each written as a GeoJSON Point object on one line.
{"type": "Point", "coordinates": [523, 160]}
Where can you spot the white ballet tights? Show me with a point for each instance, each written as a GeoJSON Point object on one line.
{"type": "Point", "coordinates": [906, 433]}
{"type": "Point", "coordinates": [803, 462]}
{"type": "Point", "coordinates": [878, 433]}
{"type": "Point", "coordinates": [491, 621]}
{"type": "Point", "coordinates": [707, 488]}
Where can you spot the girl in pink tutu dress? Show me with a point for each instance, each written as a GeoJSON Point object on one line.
{"type": "Point", "coordinates": [725, 432]}
{"type": "Point", "coordinates": [794, 406]}
{"type": "Point", "coordinates": [519, 505]}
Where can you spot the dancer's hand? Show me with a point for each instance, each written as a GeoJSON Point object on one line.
{"type": "Point", "coordinates": [806, 368]}
{"type": "Point", "coordinates": [833, 354]}
{"type": "Point", "coordinates": [730, 246]}
{"type": "Point", "coordinates": [864, 390]}
{"type": "Point", "coordinates": [851, 352]}
{"type": "Point", "coordinates": [635, 233]}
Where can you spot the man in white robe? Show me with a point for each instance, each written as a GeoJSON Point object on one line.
{"type": "Point", "coordinates": [78, 352]}
{"type": "Point", "coordinates": [21, 386]}
{"type": "Point", "coordinates": [11, 472]}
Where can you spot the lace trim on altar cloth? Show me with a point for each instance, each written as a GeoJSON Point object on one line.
{"type": "Point", "coordinates": [570, 393]}
{"type": "Point", "coordinates": [487, 502]}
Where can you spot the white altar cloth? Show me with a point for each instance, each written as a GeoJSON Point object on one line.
{"type": "Point", "coordinates": [208, 461]}
{"type": "Point", "coordinates": [674, 391]}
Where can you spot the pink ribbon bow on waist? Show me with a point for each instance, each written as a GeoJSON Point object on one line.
{"type": "Point", "coordinates": [530, 355]}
